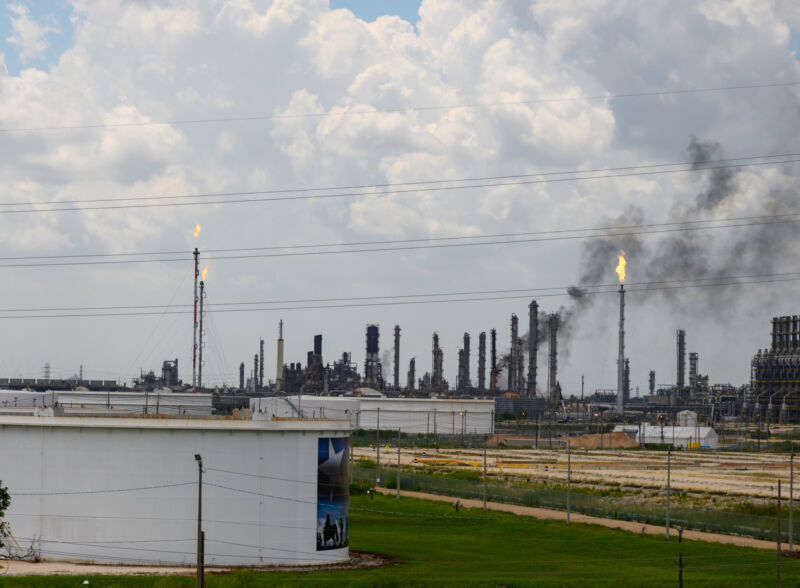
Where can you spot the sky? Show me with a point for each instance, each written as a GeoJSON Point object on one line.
{"type": "Point", "coordinates": [256, 105]}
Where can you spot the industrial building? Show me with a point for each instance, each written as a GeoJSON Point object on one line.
{"type": "Point", "coordinates": [692, 437]}
{"type": "Point", "coordinates": [125, 490]}
{"type": "Point", "coordinates": [775, 374]}
{"type": "Point", "coordinates": [445, 417]}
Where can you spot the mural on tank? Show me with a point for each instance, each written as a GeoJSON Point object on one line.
{"type": "Point", "coordinates": [333, 493]}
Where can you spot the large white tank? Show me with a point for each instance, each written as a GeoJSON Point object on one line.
{"type": "Point", "coordinates": [126, 490]}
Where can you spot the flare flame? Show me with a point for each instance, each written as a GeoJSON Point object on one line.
{"type": "Point", "coordinates": [197, 230]}
{"type": "Point", "coordinates": [620, 269]}
{"type": "Point", "coordinates": [205, 273]}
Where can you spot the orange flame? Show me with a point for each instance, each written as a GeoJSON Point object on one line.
{"type": "Point", "coordinates": [205, 273]}
{"type": "Point", "coordinates": [197, 230]}
{"type": "Point", "coordinates": [620, 269]}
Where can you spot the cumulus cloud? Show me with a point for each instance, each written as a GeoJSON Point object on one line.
{"type": "Point", "coordinates": [28, 34]}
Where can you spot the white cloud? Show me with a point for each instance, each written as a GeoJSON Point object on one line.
{"type": "Point", "coordinates": [28, 34]}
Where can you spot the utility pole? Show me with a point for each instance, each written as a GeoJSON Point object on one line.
{"type": "Point", "coordinates": [398, 462]}
{"type": "Point", "coordinates": [778, 577]}
{"type": "Point", "coordinates": [791, 501]}
{"type": "Point", "coordinates": [200, 534]}
{"type": "Point", "coordinates": [484, 473]}
{"type": "Point", "coordinates": [196, 254]}
{"type": "Point", "coordinates": [669, 468]}
{"type": "Point", "coordinates": [569, 474]}
{"type": "Point", "coordinates": [378, 447]}
{"type": "Point", "coordinates": [200, 351]}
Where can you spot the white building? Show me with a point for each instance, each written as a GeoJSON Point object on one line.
{"type": "Point", "coordinates": [125, 490]}
{"type": "Point", "coordinates": [687, 437]}
{"type": "Point", "coordinates": [441, 416]}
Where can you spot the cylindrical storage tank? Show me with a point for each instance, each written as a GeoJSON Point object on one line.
{"type": "Point", "coordinates": [125, 490]}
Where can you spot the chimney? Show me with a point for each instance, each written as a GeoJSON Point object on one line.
{"type": "Point", "coordinates": [467, 383]}
{"type": "Point", "coordinates": [621, 356]}
{"type": "Point", "coordinates": [512, 364]}
{"type": "Point", "coordinates": [261, 365]}
{"type": "Point", "coordinates": [682, 357]}
{"type": "Point", "coordinates": [397, 357]}
{"type": "Point", "coordinates": [279, 371]}
{"type": "Point", "coordinates": [553, 371]}
{"type": "Point", "coordinates": [482, 362]}
{"type": "Point", "coordinates": [533, 343]}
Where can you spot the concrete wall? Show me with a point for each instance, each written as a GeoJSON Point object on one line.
{"type": "Point", "coordinates": [125, 490]}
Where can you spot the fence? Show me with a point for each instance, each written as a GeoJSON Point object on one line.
{"type": "Point", "coordinates": [713, 521]}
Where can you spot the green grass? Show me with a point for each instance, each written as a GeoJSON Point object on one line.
{"type": "Point", "coordinates": [433, 545]}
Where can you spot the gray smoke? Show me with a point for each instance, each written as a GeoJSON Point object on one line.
{"type": "Point", "coordinates": [709, 255]}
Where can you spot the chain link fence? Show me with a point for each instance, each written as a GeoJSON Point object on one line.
{"type": "Point", "coordinates": [713, 521]}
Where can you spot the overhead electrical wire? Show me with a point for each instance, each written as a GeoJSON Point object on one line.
{"type": "Point", "coordinates": [346, 113]}
{"type": "Point", "coordinates": [55, 207]}
{"type": "Point", "coordinates": [433, 243]}
{"type": "Point", "coordinates": [698, 166]}
{"type": "Point", "coordinates": [729, 281]}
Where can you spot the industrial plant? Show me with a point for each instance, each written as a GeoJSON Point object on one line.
{"type": "Point", "coordinates": [510, 379]}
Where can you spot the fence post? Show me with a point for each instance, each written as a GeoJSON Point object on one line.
{"type": "Point", "coordinates": [484, 474]}
{"type": "Point", "coordinates": [569, 474]}
{"type": "Point", "coordinates": [669, 468]}
{"type": "Point", "coordinates": [398, 462]}
{"type": "Point", "coordinates": [378, 447]}
{"type": "Point", "coordinates": [778, 576]}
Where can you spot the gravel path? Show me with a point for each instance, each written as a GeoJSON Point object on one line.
{"type": "Point", "coordinates": [558, 515]}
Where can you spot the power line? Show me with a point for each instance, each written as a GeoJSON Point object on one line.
{"type": "Point", "coordinates": [600, 97]}
{"type": "Point", "coordinates": [697, 166]}
{"type": "Point", "coordinates": [585, 292]}
{"type": "Point", "coordinates": [111, 491]}
{"type": "Point", "coordinates": [632, 286]}
{"type": "Point", "coordinates": [407, 191]}
{"type": "Point", "coordinates": [435, 243]}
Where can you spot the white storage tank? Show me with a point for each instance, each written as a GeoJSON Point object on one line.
{"type": "Point", "coordinates": [124, 490]}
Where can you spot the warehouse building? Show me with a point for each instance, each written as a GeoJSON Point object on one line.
{"type": "Point", "coordinates": [440, 416]}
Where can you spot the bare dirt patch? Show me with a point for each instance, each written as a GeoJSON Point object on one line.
{"type": "Point", "coordinates": [357, 560]}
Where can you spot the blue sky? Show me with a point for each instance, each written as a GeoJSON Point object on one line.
{"type": "Point", "coordinates": [369, 10]}
{"type": "Point", "coordinates": [56, 15]}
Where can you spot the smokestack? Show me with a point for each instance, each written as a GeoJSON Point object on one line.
{"type": "Point", "coordinates": [200, 350]}
{"type": "Point", "coordinates": [467, 383]}
{"type": "Point", "coordinates": [372, 359]}
{"type": "Point", "coordinates": [692, 374]}
{"type": "Point", "coordinates": [512, 364]}
{"type": "Point", "coordinates": [494, 349]}
{"type": "Point", "coordinates": [482, 362]}
{"type": "Point", "coordinates": [318, 346]}
{"type": "Point", "coordinates": [533, 343]}
{"type": "Point", "coordinates": [652, 382]}
{"type": "Point", "coordinates": [412, 373]}
{"type": "Point", "coordinates": [520, 386]}
{"type": "Point", "coordinates": [621, 356]}
{"type": "Point", "coordinates": [397, 357]}
{"type": "Point", "coordinates": [255, 371]}
{"type": "Point", "coordinates": [279, 371]}
{"type": "Point", "coordinates": [241, 376]}
{"type": "Point", "coordinates": [436, 376]}
{"type": "Point", "coordinates": [681, 358]}
{"type": "Point", "coordinates": [553, 372]}
{"type": "Point", "coordinates": [196, 253]}
{"type": "Point", "coordinates": [460, 378]}
{"type": "Point", "coordinates": [261, 365]}
{"type": "Point", "coordinates": [627, 387]}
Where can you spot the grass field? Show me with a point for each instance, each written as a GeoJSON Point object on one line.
{"type": "Point", "coordinates": [434, 545]}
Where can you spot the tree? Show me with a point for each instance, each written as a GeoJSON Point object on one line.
{"type": "Point", "coordinates": [5, 500]}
